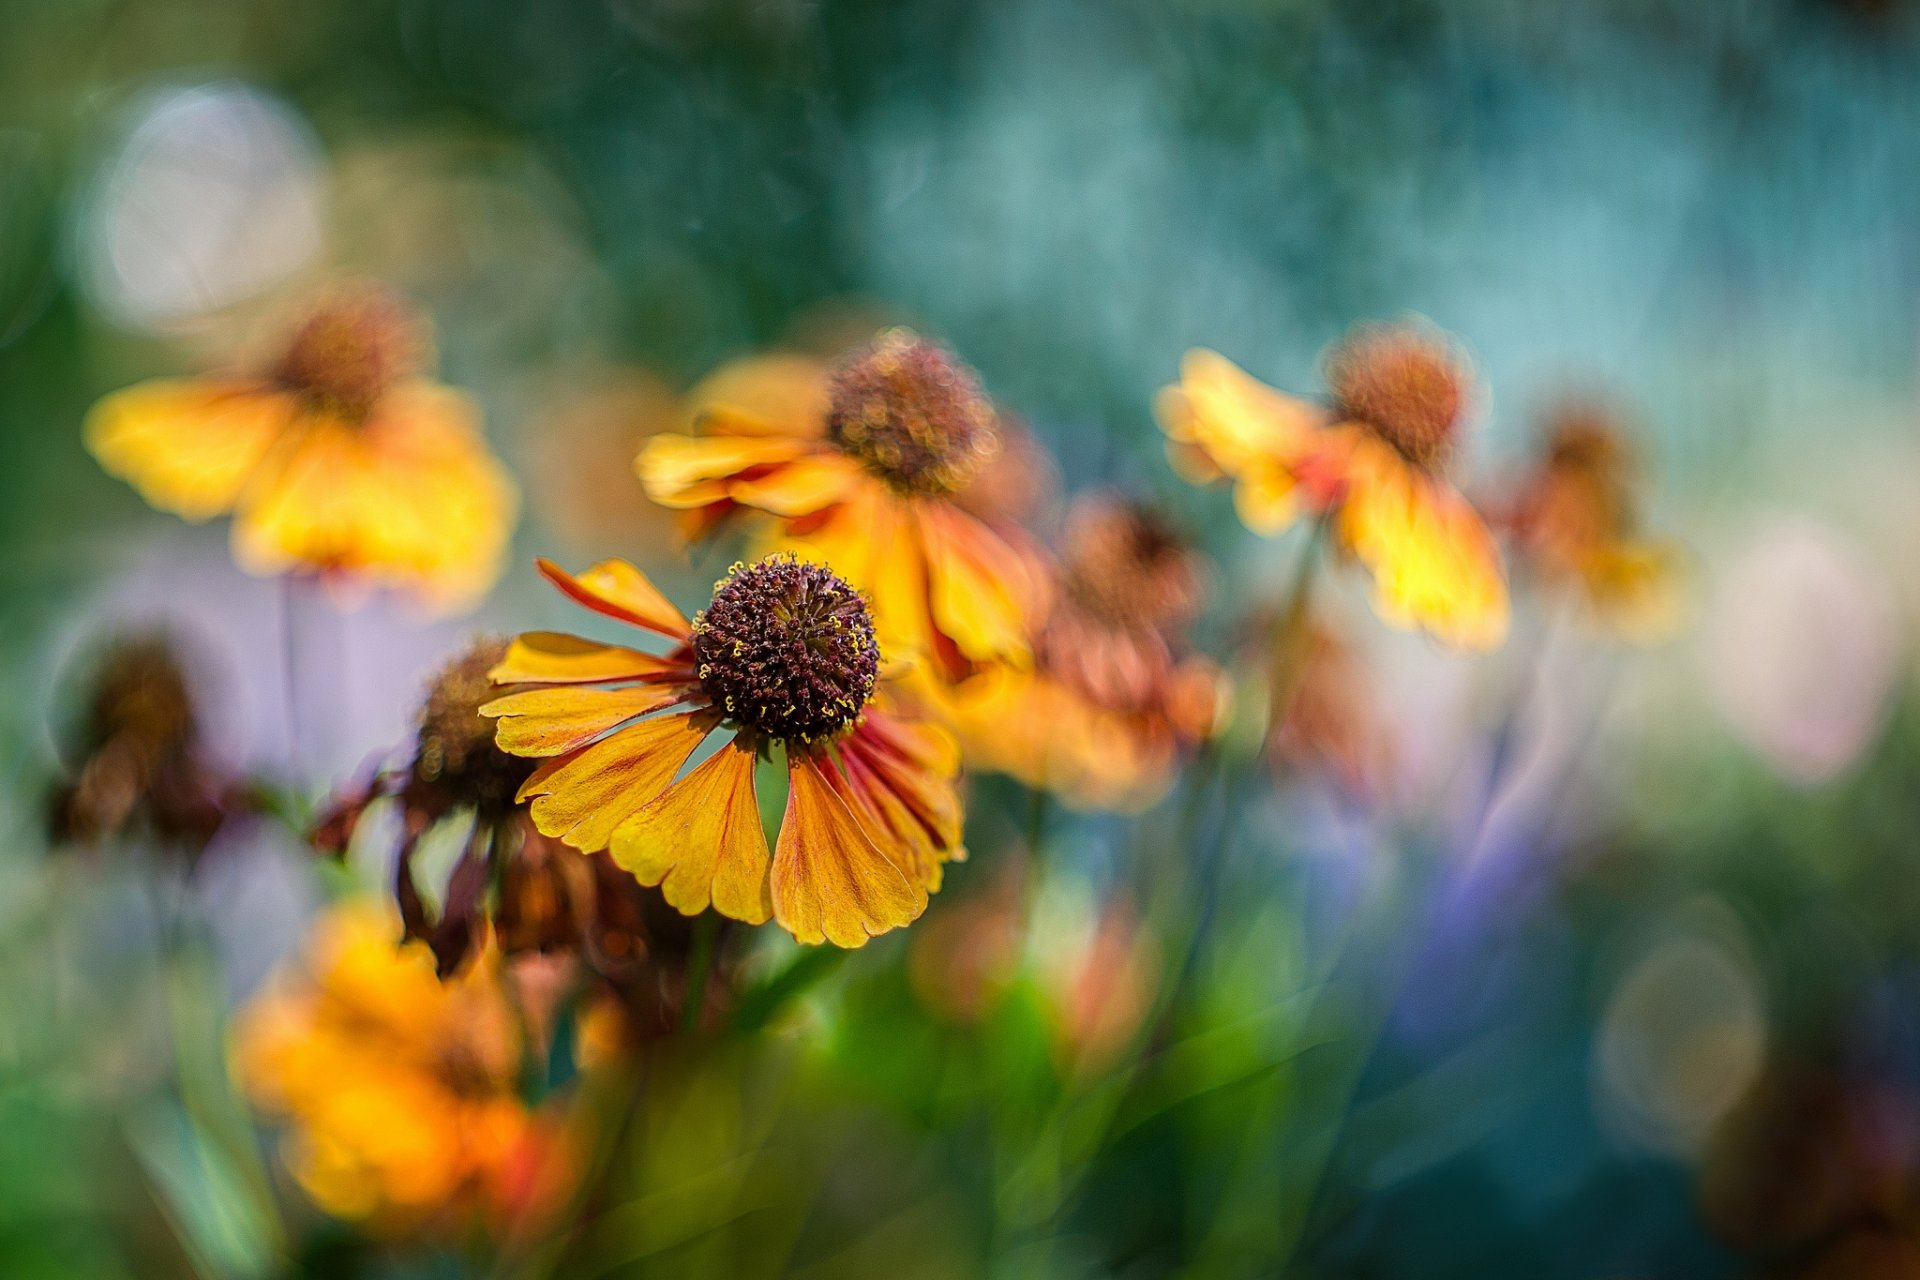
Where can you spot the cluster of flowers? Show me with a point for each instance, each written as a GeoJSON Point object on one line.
{"type": "Point", "coordinates": [907, 609]}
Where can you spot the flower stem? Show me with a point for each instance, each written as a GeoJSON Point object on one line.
{"type": "Point", "coordinates": [699, 967]}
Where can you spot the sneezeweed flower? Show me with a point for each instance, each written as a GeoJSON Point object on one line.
{"type": "Point", "coordinates": [1111, 701]}
{"type": "Point", "coordinates": [137, 762]}
{"type": "Point", "coordinates": [1320, 718]}
{"type": "Point", "coordinates": [1575, 522]}
{"type": "Point", "coordinates": [399, 1092]}
{"type": "Point", "coordinates": [859, 465]}
{"type": "Point", "coordinates": [338, 457]}
{"type": "Point", "coordinates": [512, 887]}
{"type": "Point", "coordinates": [785, 655]}
{"type": "Point", "coordinates": [1372, 463]}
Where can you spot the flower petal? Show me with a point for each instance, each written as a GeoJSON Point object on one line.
{"type": "Point", "coordinates": [830, 882]}
{"type": "Point", "coordinates": [1434, 564]}
{"type": "Point", "coordinates": [775, 394]}
{"type": "Point", "coordinates": [702, 841]}
{"type": "Point", "coordinates": [187, 444]}
{"type": "Point", "coordinates": [583, 796]}
{"type": "Point", "coordinates": [692, 471]}
{"type": "Point", "coordinates": [1238, 421]}
{"type": "Point", "coordinates": [618, 590]}
{"type": "Point", "coordinates": [547, 722]}
{"type": "Point", "coordinates": [552, 657]}
{"type": "Point", "coordinates": [983, 593]}
{"type": "Point", "coordinates": [800, 487]}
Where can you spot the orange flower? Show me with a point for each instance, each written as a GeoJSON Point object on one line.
{"type": "Point", "coordinates": [784, 654]}
{"type": "Point", "coordinates": [399, 1091]}
{"type": "Point", "coordinates": [859, 465]}
{"type": "Point", "coordinates": [340, 458]}
{"type": "Point", "coordinates": [1110, 703]}
{"type": "Point", "coordinates": [1576, 525]}
{"type": "Point", "coordinates": [1373, 464]}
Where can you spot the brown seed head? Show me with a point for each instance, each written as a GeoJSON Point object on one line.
{"type": "Point", "coordinates": [1406, 384]}
{"type": "Point", "coordinates": [912, 414]}
{"type": "Point", "coordinates": [456, 751]}
{"type": "Point", "coordinates": [787, 649]}
{"type": "Point", "coordinates": [351, 348]}
{"type": "Point", "coordinates": [1124, 564]}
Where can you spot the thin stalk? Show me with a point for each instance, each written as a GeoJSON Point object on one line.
{"type": "Point", "coordinates": [706, 929]}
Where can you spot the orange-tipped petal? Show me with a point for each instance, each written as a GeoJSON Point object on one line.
{"type": "Point", "coordinates": [547, 722]}
{"type": "Point", "coordinates": [691, 471]}
{"type": "Point", "coordinates": [188, 445]}
{"type": "Point", "coordinates": [618, 590]}
{"type": "Point", "coordinates": [552, 657]}
{"type": "Point", "coordinates": [583, 796]}
{"type": "Point", "coordinates": [702, 841]}
{"type": "Point", "coordinates": [830, 882]}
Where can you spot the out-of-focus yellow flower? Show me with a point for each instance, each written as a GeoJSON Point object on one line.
{"type": "Point", "coordinates": [1372, 463]}
{"type": "Point", "coordinates": [859, 464]}
{"type": "Point", "coordinates": [398, 1090]}
{"type": "Point", "coordinates": [1110, 702]}
{"type": "Point", "coordinates": [341, 458]}
{"type": "Point", "coordinates": [1576, 525]}
{"type": "Point", "coordinates": [785, 654]}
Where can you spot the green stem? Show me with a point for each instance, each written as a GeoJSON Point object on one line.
{"type": "Point", "coordinates": [706, 927]}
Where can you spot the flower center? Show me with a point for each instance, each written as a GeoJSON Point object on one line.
{"type": "Point", "coordinates": [1405, 385]}
{"type": "Point", "coordinates": [787, 648]}
{"type": "Point", "coordinates": [912, 414]}
{"type": "Point", "coordinates": [1123, 563]}
{"type": "Point", "coordinates": [350, 349]}
{"type": "Point", "coordinates": [455, 746]}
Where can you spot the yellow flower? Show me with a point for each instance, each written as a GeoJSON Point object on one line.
{"type": "Point", "coordinates": [340, 458]}
{"type": "Point", "coordinates": [398, 1091]}
{"type": "Point", "coordinates": [1373, 464]}
{"type": "Point", "coordinates": [1110, 703]}
{"type": "Point", "coordinates": [1576, 526]}
{"type": "Point", "coordinates": [785, 654]}
{"type": "Point", "coordinates": [860, 465]}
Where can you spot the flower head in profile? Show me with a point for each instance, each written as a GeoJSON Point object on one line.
{"type": "Point", "coordinates": [510, 887]}
{"type": "Point", "coordinates": [1372, 462]}
{"type": "Point", "coordinates": [337, 457]}
{"type": "Point", "coordinates": [399, 1091]}
{"type": "Point", "coordinates": [860, 465]}
{"type": "Point", "coordinates": [785, 655]}
{"type": "Point", "coordinates": [1112, 700]}
{"type": "Point", "coordinates": [136, 759]}
{"type": "Point", "coordinates": [1576, 526]}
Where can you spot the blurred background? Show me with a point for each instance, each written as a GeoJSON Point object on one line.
{"type": "Point", "coordinates": [1613, 976]}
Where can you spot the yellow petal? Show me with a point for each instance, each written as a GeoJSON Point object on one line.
{"type": "Point", "coordinates": [979, 586]}
{"type": "Point", "coordinates": [1434, 564]}
{"type": "Point", "coordinates": [581, 797]}
{"type": "Point", "coordinates": [702, 841]}
{"type": "Point", "coordinates": [800, 487]}
{"type": "Point", "coordinates": [618, 590]}
{"type": "Point", "coordinates": [1237, 420]}
{"type": "Point", "coordinates": [546, 722]}
{"type": "Point", "coordinates": [691, 471]}
{"type": "Point", "coordinates": [830, 882]}
{"type": "Point", "coordinates": [773, 394]}
{"type": "Point", "coordinates": [551, 657]}
{"type": "Point", "coordinates": [187, 445]}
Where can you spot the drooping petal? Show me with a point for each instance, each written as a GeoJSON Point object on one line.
{"type": "Point", "coordinates": [770, 394]}
{"type": "Point", "coordinates": [702, 841]}
{"type": "Point", "coordinates": [188, 445]}
{"type": "Point", "coordinates": [618, 590]}
{"type": "Point", "coordinates": [692, 471]}
{"type": "Point", "coordinates": [918, 810]}
{"type": "Point", "coordinates": [983, 594]}
{"type": "Point", "coordinates": [1434, 564]}
{"type": "Point", "coordinates": [1238, 421]}
{"type": "Point", "coordinates": [583, 796]}
{"type": "Point", "coordinates": [547, 722]}
{"type": "Point", "coordinates": [552, 657]}
{"type": "Point", "coordinates": [800, 487]}
{"type": "Point", "coordinates": [830, 882]}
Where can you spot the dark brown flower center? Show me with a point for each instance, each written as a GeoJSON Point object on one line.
{"type": "Point", "coordinates": [787, 649]}
{"type": "Point", "coordinates": [350, 349]}
{"type": "Point", "coordinates": [1124, 564]}
{"type": "Point", "coordinates": [1403, 383]}
{"type": "Point", "coordinates": [912, 414]}
{"type": "Point", "coordinates": [456, 750]}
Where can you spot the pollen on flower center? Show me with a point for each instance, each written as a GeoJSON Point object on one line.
{"type": "Point", "coordinates": [912, 414]}
{"type": "Point", "coordinates": [350, 349]}
{"type": "Point", "coordinates": [1403, 383]}
{"type": "Point", "coordinates": [787, 648]}
{"type": "Point", "coordinates": [456, 750]}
